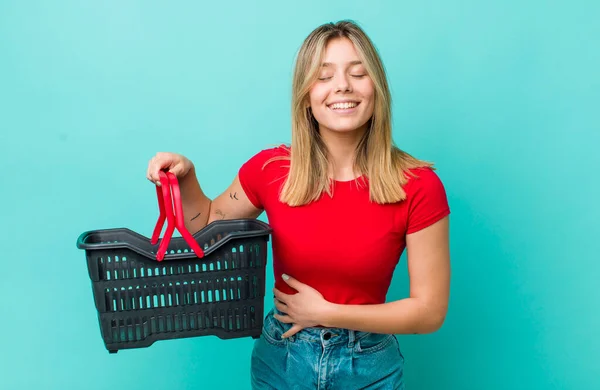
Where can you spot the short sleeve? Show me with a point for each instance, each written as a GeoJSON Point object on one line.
{"type": "Point", "coordinates": [251, 178]}
{"type": "Point", "coordinates": [427, 200]}
{"type": "Point", "coordinates": [254, 176]}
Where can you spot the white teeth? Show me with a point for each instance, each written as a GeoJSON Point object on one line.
{"type": "Point", "coordinates": [338, 106]}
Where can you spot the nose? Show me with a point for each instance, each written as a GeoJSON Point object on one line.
{"type": "Point", "coordinates": [343, 84]}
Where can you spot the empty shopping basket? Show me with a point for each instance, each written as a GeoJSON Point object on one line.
{"type": "Point", "coordinates": [209, 283]}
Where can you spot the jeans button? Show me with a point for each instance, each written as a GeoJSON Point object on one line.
{"type": "Point", "coordinates": [327, 336]}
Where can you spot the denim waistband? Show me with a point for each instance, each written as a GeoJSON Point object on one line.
{"type": "Point", "coordinates": [321, 335]}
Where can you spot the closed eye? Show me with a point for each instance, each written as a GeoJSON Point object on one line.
{"type": "Point", "coordinates": [356, 76]}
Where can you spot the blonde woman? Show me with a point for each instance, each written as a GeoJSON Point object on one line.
{"type": "Point", "coordinates": [344, 203]}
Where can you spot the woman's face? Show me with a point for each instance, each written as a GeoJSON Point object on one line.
{"type": "Point", "coordinates": [342, 99]}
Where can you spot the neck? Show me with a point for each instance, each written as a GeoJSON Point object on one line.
{"type": "Point", "coordinates": [341, 148]}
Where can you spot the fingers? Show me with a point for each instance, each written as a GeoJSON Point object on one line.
{"type": "Point", "coordinates": [288, 320]}
{"type": "Point", "coordinates": [164, 161]}
{"type": "Point", "coordinates": [152, 170]}
{"type": "Point", "coordinates": [293, 330]}
{"type": "Point", "coordinates": [282, 307]}
{"type": "Point", "coordinates": [280, 296]}
{"type": "Point", "coordinates": [283, 318]}
{"type": "Point", "coordinates": [293, 283]}
{"type": "Point", "coordinates": [154, 165]}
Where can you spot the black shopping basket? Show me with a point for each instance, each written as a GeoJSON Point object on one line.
{"type": "Point", "coordinates": [209, 283]}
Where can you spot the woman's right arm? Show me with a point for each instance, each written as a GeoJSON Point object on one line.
{"type": "Point", "coordinates": [198, 209]}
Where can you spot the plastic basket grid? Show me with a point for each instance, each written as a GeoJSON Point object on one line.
{"type": "Point", "coordinates": [141, 300]}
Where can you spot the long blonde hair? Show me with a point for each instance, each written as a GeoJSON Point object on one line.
{"type": "Point", "coordinates": [377, 158]}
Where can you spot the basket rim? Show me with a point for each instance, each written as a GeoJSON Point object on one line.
{"type": "Point", "coordinates": [262, 229]}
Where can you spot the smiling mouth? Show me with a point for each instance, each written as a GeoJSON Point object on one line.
{"type": "Point", "coordinates": [343, 106]}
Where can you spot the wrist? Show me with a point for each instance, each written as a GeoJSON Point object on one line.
{"type": "Point", "coordinates": [330, 314]}
{"type": "Point", "coordinates": [191, 173]}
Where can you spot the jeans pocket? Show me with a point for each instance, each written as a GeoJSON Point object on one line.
{"type": "Point", "coordinates": [273, 330]}
{"type": "Point", "coordinates": [373, 342]}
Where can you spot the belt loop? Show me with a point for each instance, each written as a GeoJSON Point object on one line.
{"type": "Point", "coordinates": [351, 337]}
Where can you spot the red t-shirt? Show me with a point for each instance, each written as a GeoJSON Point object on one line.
{"type": "Point", "coordinates": [344, 246]}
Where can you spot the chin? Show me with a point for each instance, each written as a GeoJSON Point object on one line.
{"type": "Point", "coordinates": [345, 127]}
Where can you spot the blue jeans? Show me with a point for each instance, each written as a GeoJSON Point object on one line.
{"type": "Point", "coordinates": [325, 359]}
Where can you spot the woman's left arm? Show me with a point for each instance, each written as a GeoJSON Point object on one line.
{"type": "Point", "coordinates": [424, 311]}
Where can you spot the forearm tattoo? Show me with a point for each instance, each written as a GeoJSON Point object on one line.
{"type": "Point", "coordinates": [220, 213]}
{"type": "Point", "coordinates": [233, 196]}
{"type": "Point", "coordinates": [197, 215]}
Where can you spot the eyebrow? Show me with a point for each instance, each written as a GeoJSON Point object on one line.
{"type": "Point", "coordinates": [326, 64]}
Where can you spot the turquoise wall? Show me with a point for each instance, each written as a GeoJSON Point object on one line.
{"type": "Point", "coordinates": [503, 96]}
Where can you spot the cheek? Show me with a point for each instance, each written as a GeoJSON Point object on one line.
{"type": "Point", "coordinates": [368, 93]}
{"type": "Point", "coordinates": [367, 89]}
{"type": "Point", "coordinates": [317, 96]}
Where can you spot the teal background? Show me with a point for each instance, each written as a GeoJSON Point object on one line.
{"type": "Point", "coordinates": [502, 96]}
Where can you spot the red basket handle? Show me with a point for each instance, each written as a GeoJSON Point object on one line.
{"type": "Point", "coordinates": [170, 209]}
{"type": "Point", "coordinates": [179, 220]}
{"type": "Point", "coordinates": [161, 207]}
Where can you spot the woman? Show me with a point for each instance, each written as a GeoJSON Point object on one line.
{"type": "Point", "coordinates": [344, 203]}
